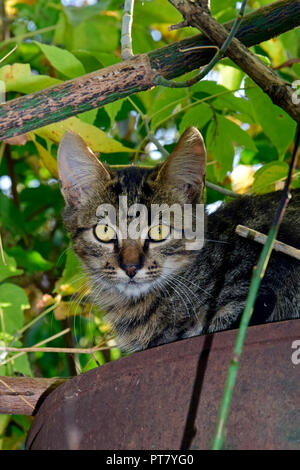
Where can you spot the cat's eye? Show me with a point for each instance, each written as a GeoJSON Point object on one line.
{"type": "Point", "coordinates": [105, 233]}
{"type": "Point", "coordinates": [158, 233]}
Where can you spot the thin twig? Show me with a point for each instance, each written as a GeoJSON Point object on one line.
{"type": "Point", "coordinates": [259, 237]}
{"type": "Point", "coordinates": [8, 54]}
{"type": "Point", "coordinates": [61, 333]}
{"type": "Point", "coordinates": [126, 40]}
{"type": "Point", "coordinates": [28, 35]}
{"type": "Point", "coordinates": [56, 350]}
{"type": "Point", "coordinates": [257, 275]}
{"type": "Point", "coordinates": [160, 80]}
{"type": "Point", "coordinates": [287, 63]}
{"type": "Point", "coordinates": [182, 24]}
{"type": "Point", "coordinates": [2, 252]}
{"type": "Point", "coordinates": [221, 190]}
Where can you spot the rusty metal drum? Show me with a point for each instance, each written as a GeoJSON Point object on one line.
{"type": "Point", "coordinates": [169, 397]}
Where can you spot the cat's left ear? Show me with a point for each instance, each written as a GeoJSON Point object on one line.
{"type": "Point", "coordinates": [79, 170]}
{"type": "Point", "coordinates": [185, 167]}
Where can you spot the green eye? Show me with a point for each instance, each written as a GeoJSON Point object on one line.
{"type": "Point", "coordinates": [158, 233]}
{"type": "Point", "coordinates": [105, 233]}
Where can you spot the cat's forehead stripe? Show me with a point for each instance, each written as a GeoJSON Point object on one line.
{"type": "Point", "coordinates": [132, 181]}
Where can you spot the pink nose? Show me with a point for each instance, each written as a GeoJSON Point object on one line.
{"type": "Point", "coordinates": [130, 270]}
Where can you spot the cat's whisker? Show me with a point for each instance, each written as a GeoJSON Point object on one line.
{"type": "Point", "coordinates": [187, 280]}
{"type": "Point", "coordinates": [173, 283]}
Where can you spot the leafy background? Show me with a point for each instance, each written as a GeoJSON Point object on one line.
{"type": "Point", "coordinates": [249, 143]}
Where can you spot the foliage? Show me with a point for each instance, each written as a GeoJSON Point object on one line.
{"type": "Point", "coordinates": [240, 125]}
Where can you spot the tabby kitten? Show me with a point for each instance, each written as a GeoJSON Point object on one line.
{"type": "Point", "coordinates": [154, 289]}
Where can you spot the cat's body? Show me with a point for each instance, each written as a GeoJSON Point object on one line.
{"type": "Point", "coordinates": [157, 291]}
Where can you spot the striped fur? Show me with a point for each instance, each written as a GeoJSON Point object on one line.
{"type": "Point", "coordinates": [178, 293]}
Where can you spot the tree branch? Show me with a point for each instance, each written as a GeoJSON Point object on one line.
{"type": "Point", "coordinates": [59, 102]}
{"type": "Point", "coordinates": [279, 91]}
{"type": "Point", "coordinates": [159, 80]}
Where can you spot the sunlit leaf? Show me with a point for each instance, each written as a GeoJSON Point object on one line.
{"type": "Point", "coordinates": [47, 159]}
{"type": "Point", "coordinates": [18, 77]}
{"type": "Point", "coordinates": [265, 178]}
{"type": "Point", "coordinates": [276, 123]}
{"type": "Point", "coordinates": [95, 138]}
{"type": "Point", "coordinates": [10, 269]}
{"type": "Point", "coordinates": [197, 116]}
{"type": "Point", "coordinates": [13, 302]}
{"type": "Point", "coordinates": [73, 277]}
{"type": "Point", "coordinates": [30, 260]}
{"type": "Point", "coordinates": [62, 60]}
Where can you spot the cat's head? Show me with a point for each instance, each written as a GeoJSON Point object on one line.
{"type": "Point", "coordinates": [131, 249]}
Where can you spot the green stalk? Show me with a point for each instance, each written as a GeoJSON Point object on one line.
{"type": "Point", "coordinates": [28, 35]}
{"type": "Point", "coordinates": [257, 275]}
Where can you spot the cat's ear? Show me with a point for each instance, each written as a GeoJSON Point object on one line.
{"type": "Point", "coordinates": [186, 166]}
{"type": "Point", "coordinates": [79, 170]}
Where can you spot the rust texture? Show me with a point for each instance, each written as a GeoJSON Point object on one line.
{"type": "Point", "coordinates": [151, 399]}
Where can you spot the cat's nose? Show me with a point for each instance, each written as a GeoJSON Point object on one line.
{"type": "Point", "coordinates": [130, 269]}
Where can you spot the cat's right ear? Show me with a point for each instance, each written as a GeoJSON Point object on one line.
{"type": "Point", "coordinates": [185, 167]}
{"type": "Point", "coordinates": [79, 170]}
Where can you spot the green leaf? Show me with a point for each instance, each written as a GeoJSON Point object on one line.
{"type": "Point", "coordinates": [73, 276]}
{"type": "Point", "coordinates": [266, 177]}
{"type": "Point", "coordinates": [235, 105]}
{"type": "Point", "coordinates": [219, 148]}
{"type": "Point", "coordinates": [165, 102]}
{"type": "Point", "coordinates": [4, 420]}
{"type": "Point", "coordinates": [89, 61]}
{"type": "Point", "coordinates": [277, 125]}
{"type": "Point", "coordinates": [230, 77]}
{"type": "Point", "coordinates": [10, 269]}
{"type": "Point", "coordinates": [10, 217]}
{"type": "Point", "coordinates": [197, 116]}
{"type": "Point", "coordinates": [62, 60]}
{"type": "Point", "coordinates": [30, 260]}
{"type": "Point", "coordinates": [236, 134]}
{"type": "Point", "coordinates": [113, 108]}
{"type": "Point", "coordinates": [13, 301]}
{"type": "Point", "coordinates": [97, 34]}
{"type": "Point", "coordinates": [77, 15]}
{"type": "Point", "coordinates": [95, 138]}
{"type": "Point", "coordinates": [221, 135]}
{"type": "Point", "coordinates": [18, 77]}
{"type": "Point", "coordinates": [89, 116]}
{"type": "Point", "coordinates": [156, 11]}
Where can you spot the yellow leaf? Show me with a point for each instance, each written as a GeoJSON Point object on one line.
{"type": "Point", "coordinates": [48, 161]}
{"type": "Point", "coordinates": [95, 138]}
{"type": "Point", "coordinates": [67, 309]}
{"type": "Point", "coordinates": [18, 77]}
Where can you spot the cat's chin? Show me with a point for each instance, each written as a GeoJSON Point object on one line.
{"type": "Point", "coordinates": [134, 289]}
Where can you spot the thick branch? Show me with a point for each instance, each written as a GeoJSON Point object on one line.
{"type": "Point", "coordinates": [112, 83]}
{"type": "Point", "coordinates": [279, 91]}
{"type": "Point", "coordinates": [24, 395]}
